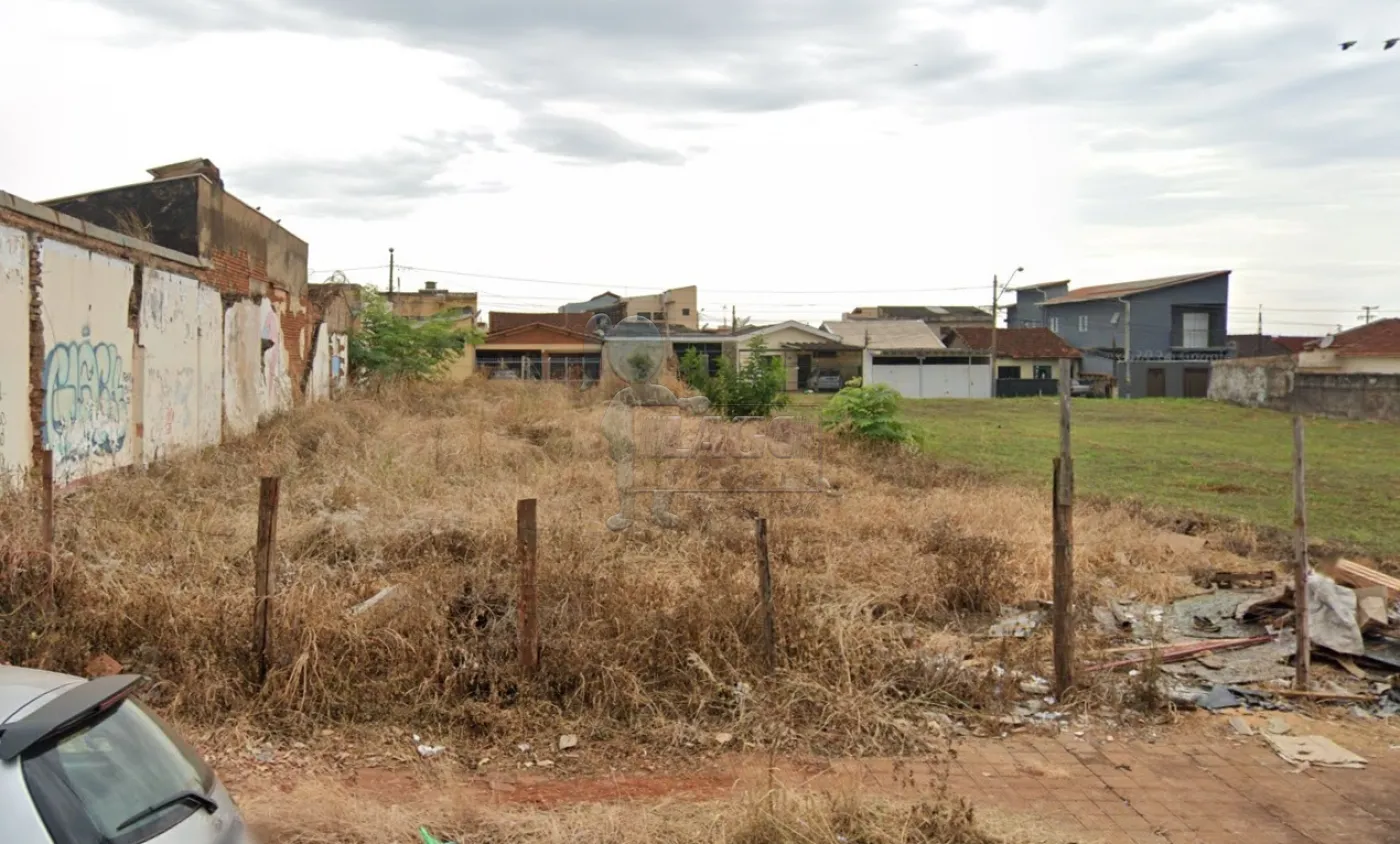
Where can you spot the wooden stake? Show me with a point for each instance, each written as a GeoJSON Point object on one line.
{"type": "Point", "coordinates": [527, 622]}
{"type": "Point", "coordinates": [46, 490]}
{"type": "Point", "coordinates": [1300, 561]}
{"type": "Point", "coordinates": [46, 520]}
{"type": "Point", "coordinates": [1063, 528]}
{"type": "Point", "coordinates": [263, 575]}
{"type": "Point", "coordinates": [765, 596]}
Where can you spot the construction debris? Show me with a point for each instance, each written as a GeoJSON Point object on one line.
{"type": "Point", "coordinates": [1371, 612]}
{"type": "Point", "coordinates": [1358, 576]}
{"type": "Point", "coordinates": [1017, 626]}
{"type": "Point", "coordinates": [1314, 750]}
{"type": "Point", "coordinates": [1241, 579]}
{"type": "Point", "coordinates": [1182, 651]}
{"type": "Point", "coordinates": [1332, 616]}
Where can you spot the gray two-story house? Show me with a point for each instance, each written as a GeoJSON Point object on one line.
{"type": "Point", "coordinates": [1156, 337]}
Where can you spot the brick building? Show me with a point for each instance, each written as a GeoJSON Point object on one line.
{"type": "Point", "coordinates": [185, 208]}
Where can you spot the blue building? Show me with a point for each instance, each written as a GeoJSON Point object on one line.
{"type": "Point", "coordinates": [1156, 337]}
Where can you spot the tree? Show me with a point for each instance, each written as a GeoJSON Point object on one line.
{"type": "Point", "coordinates": [754, 389]}
{"type": "Point", "coordinates": [391, 346]}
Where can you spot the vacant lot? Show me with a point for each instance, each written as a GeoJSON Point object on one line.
{"type": "Point", "coordinates": [1188, 456]}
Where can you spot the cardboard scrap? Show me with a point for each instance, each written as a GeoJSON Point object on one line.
{"type": "Point", "coordinates": [1371, 613]}
{"type": "Point", "coordinates": [1314, 750]}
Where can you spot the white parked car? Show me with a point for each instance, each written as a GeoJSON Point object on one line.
{"type": "Point", "coordinates": [83, 762]}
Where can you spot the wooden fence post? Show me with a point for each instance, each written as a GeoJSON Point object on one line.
{"type": "Point", "coordinates": [765, 596]}
{"type": "Point", "coordinates": [1063, 529]}
{"type": "Point", "coordinates": [528, 621]}
{"type": "Point", "coordinates": [263, 575]}
{"type": "Point", "coordinates": [1300, 560]}
{"type": "Point", "coordinates": [46, 520]}
{"type": "Point", "coordinates": [46, 491]}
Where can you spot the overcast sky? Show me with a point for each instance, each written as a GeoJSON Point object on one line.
{"type": "Point", "coordinates": [793, 158]}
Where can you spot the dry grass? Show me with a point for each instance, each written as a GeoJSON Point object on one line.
{"type": "Point", "coordinates": [649, 633]}
{"type": "Point", "coordinates": [319, 814]}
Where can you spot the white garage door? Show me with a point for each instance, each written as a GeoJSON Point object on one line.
{"type": "Point", "coordinates": [947, 381]}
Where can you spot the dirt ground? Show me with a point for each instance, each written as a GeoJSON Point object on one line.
{"type": "Point", "coordinates": [1195, 782]}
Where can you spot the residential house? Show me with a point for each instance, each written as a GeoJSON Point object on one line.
{"type": "Point", "coordinates": [1025, 311]}
{"type": "Point", "coordinates": [1156, 337]}
{"type": "Point", "coordinates": [1028, 359]}
{"type": "Point", "coordinates": [536, 346]}
{"type": "Point", "coordinates": [804, 351]}
{"type": "Point", "coordinates": [430, 301]}
{"type": "Point", "coordinates": [185, 208]}
{"type": "Point", "coordinates": [908, 356]}
{"type": "Point", "coordinates": [937, 317]}
{"type": "Point", "coordinates": [678, 307]}
{"type": "Point", "coordinates": [1266, 345]}
{"type": "Point", "coordinates": [1371, 349]}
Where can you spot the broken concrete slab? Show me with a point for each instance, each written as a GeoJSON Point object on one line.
{"type": "Point", "coordinates": [1314, 750]}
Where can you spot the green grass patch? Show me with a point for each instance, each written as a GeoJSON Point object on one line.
{"type": "Point", "coordinates": [1186, 456]}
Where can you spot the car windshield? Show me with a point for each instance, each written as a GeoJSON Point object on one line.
{"type": "Point", "coordinates": [88, 783]}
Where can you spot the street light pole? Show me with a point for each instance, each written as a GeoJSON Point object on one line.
{"type": "Point", "coordinates": [997, 290]}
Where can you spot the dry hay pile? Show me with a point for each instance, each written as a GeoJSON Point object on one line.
{"type": "Point", "coordinates": [643, 632]}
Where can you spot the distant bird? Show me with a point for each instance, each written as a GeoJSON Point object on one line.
{"type": "Point", "coordinates": [1391, 42]}
{"type": "Point", "coordinates": [1347, 45]}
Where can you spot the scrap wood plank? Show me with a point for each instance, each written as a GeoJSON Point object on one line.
{"type": "Point", "coordinates": [1358, 576]}
{"type": "Point", "coordinates": [1181, 653]}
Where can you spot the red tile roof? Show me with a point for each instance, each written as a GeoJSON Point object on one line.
{"type": "Point", "coordinates": [1378, 339]}
{"type": "Point", "coordinates": [1019, 343]}
{"type": "Point", "coordinates": [1293, 344]}
{"type": "Point", "coordinates": [1130, 288]}
{"type": "Point", "coordinates": [506, 320]}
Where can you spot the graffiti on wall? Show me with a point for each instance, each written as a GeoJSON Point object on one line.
{"type": "Point", "coordinates": [277, 383]}
{"type": "Point", "coordinates": [338, 362]}
{"type": "Point", "coordinates": [87, 402]}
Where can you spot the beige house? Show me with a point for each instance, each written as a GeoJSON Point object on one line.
{"type": "Point", "coordinates": [805, 352]}
{"type": "Point", "coordinates": [1372, 349]}
{"type": "Point", "coordinates": [1029, 354]}
{"type": "Point", "coordinates": [679, 307]}
{"type": "Point", "coordinates": [430, 301]}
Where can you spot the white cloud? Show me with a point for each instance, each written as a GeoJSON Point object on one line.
{"type": "Point", "coordinates": [794, 159]}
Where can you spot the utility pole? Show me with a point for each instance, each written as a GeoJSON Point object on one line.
{"type": "Point", "coordinates": [734, 319]}
{"type": "Point", "coordinates": [997, 290]}
{"type": "Point", "coordinates": [996, 297]}
{"type": "Point", "coordinates": [1261, 322]}
{"type": "Point", "coordinates": [391, 269]}
{"type": "Point", "coordinates": [1368, 309]}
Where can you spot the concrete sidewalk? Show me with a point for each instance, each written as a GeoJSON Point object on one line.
{"type": "Point", "coordinates": [1194, 791]}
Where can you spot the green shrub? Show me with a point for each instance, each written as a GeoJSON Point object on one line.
{"type": "Point", "coordinates": [392, 346]}
{"type": "Point", "coordinates": [755, 389]}
{"type": "Point", "coordinates": [867, 413]}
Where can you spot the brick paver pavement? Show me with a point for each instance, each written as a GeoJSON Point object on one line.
{"type": "Point", "coordinates": [1181, 792]}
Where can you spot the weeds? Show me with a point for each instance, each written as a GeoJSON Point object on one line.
{"type": "Point", "coordinates": [414, 487]}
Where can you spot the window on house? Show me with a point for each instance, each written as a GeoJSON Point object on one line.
{"type": "Point", "coordinates": [1008, 372]}
{"type": "Point", "coordinates": [1042, 372]}
{"type": "Point", "coordinates": [685, 311]}
{"type": "Point", "coordinates": [1195, 330]}
{"type": "Point", "coordinates": [1055, 324]}
{"type": "Point", "coordinates": [1084, 324]}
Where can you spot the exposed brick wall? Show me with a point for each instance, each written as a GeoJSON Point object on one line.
{"type": "Point", "coordinates": [241, 274]}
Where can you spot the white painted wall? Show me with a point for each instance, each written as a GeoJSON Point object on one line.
{"type": "Point", "coordinates": [242, 368]}
{"type": "Point", "coordinates": [340, 361]}
{"type": "Point", "coordinates": [275, 387]}
{"type": "Point", "coordinates": [170, 364]}
{"type": "Point", "coordinates": [318, 388]}
{"type": "Point", "coordinates": [16, 436]}
{"type": "Point", "coordinates": [88, 415]}
{"type": "Point", "coordinates": [948, 381]}
{"type": "Point", "coordinates": [210, 369]}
